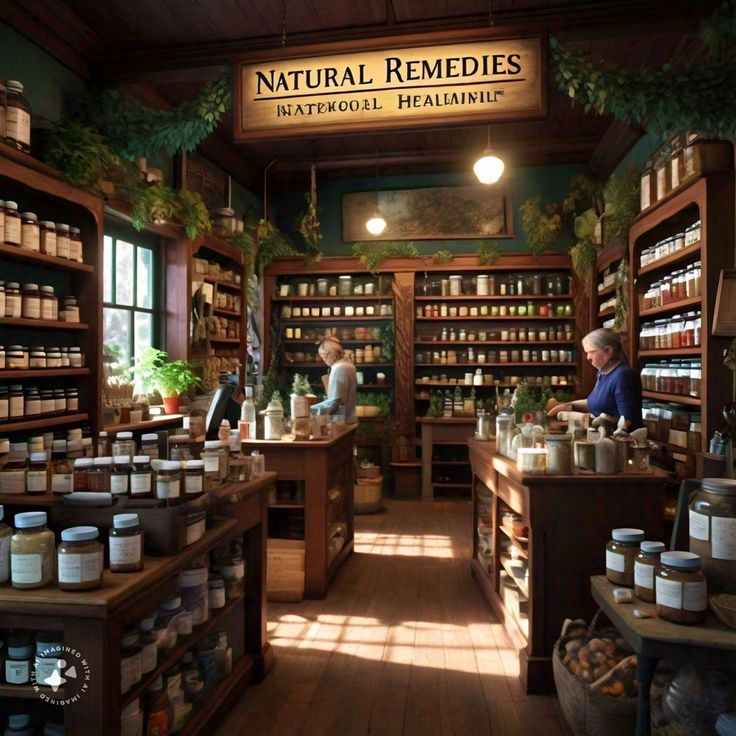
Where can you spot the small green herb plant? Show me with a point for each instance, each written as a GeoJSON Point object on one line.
{"type": "Point", "coordinates": [153, 372]}
{"type": "Point", "coordinates": [374, 399]}
{"type": "Point", "coordinates": [300, 385]}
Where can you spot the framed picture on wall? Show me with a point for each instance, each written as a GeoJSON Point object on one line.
{"type": "Point", "coordinates": [430, 213]}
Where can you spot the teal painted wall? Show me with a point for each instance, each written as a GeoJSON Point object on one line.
{"type": "Point", "coordinates": [549, 182]}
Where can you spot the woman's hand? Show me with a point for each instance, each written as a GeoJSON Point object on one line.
{"type": "Point", "coordinates": [555, 410]}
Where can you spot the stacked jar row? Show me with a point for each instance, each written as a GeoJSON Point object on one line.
{"type": "Point", "coordinates": [671, 244]}
{"type": "Point", "coordinates": [535, 284]}
{"type": "Point", "coordinates": [17, 402]}
{"type": "Point", "coordinates": [530, 309]}
{"type": "Point", "coordinates": [348, 310]}
{"type": "Point", "coordinates": [33, 302]}
{"type": "Point", "coordinates": [213, 270]}
{"type": "Point", "coordinates": [681, 331]}
{"type": "Point", "coordinates": [344, 286]}
{"type": "Point", "coordinates": [345, 334]}
{"type": "Point", "coordinates": [24, 230]}
{"type": "Point", "coordinates": [682, 284]}
{"type": "Point", "coordinates": [674, 377]}
{"type": "Point", "coordinates": [494, 356]}
{"type": "Point", "coordinates": [479, 378]}
{"type": "Point", "coordinates": [672, 164]}
{"type": "Point", "coordinates": [20, 357]}
{"type": "Point", "coordinates": [227, 300]}
{"type": "Point", "coordinates": [223, 328]}
{"type": "Point", "coordinates": [552, 333]}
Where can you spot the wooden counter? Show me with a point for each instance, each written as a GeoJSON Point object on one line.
{"type": "Point", "coordinates": [93, 621]}
{"type": "Point", "coordinates": [570, 520]}
{"type": "Point", "coordinates": [322, 465]}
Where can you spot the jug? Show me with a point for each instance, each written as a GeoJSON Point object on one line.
{"type": "Point", "coordinates": [273, 423]}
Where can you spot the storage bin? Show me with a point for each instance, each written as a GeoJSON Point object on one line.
{"type": "Point", "coordinates": [368, 495]}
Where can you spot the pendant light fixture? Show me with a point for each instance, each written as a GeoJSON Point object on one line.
{"type": "Point", "coordinates": [489, 167]}
{"type": "Point", "coordinates": [375, 224]}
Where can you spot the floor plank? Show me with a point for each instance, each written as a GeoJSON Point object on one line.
{"type": "Point", "coordinates": [403, 645]}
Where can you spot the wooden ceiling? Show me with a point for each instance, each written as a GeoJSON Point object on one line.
{"type": "Point", "coordinates": [165, 49]}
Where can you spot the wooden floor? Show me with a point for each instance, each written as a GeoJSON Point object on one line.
{"type": "Point", "coordinates": [403, 644]}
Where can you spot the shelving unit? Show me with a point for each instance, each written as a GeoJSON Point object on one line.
{"type": "Point", "coordinates": [710, 200]}
{"type": "Point", "coordinates": [39, 188]}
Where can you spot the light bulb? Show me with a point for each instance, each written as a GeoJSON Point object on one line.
{"type": "Point", "coordinates": [488, 168]}
{"type": "Point", "coordinates": [376, 225]}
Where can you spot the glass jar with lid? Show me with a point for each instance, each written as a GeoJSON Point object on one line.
{"type": "Point", "coordinates": [168, 478]}
{"type": "Point", "coordinates": [345, 285]}
{"type": "Point", "coordinates": [13, 300]}
{"type": "Point", "coordinates": [621, 553]}
{"type": "Point", "coordinates": [49, 303]}
{"type": "Point", "coordinates": [645, 563]}
{"type": "Point", "coordinates": [19, 662]}
{"type": "Point", "coordinates": [126, 544]}
{"type": "Point", "coordinates": [17, 117]}
{"type": "Point", "coordinates": [71, 309]}
{"type": "Point", "coordinates": [75, 244]}
{"type": "Point", "coordinates": [62, 240]}
{"type": "Point", "coordinates": [79, 558]}
{"type": "Point", "coordinates": [29, 231]}
{"type": "Point", "coordinates": [120, 475]}
{"type": "Point", "coordinates": [31, 304]}
{"type": "Point", "coordinates": [37, 477]}
{"type": "Point", "coordinates": [194, 478]}
{"type": "Point", "coordinates": [141, 477]}
{"type": "Point", "coordinates": [681, 591]}
{"type": "Point", "coordinates": [12, 224]}
{"type": "Point", "coordinates": [98, 477]}
{"type": "Point", "coordinates": [215, 458]}
{"type": "Point", "coordinates": [32, 551]}
{"type": "Point", "coordinates": [2, 293]}
{"type": "Point", "coordinates": [123, 444]}
{"type": "Point", "coordinates": [47, 237]}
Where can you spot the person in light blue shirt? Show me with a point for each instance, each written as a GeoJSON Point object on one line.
{"type": "Point", "coordinates": [342, 383]}
{"type": "Point", "coordinates": [617, 390]}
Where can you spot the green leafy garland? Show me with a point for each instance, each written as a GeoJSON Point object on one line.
{"type": "Point", "coordinates": [488, 252]}
{"type": "Point", "coordinates": [372, 254]}
{"type": "Point", "coordinates": [621, 314]}
{"type": "Point", "coordinates": [699, 96]}
{"type": "Point", "coordinates": [622, 205]}
{"type": "Point", "coordinates": [161, 203]}
{"type": "Point", "coordinates": [541, 228]}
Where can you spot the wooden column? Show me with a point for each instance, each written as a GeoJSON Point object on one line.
{"type": "Point", "coordinates": [404, 355]}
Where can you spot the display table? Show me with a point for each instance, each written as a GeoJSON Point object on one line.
{"type": "Point", "coordinates": [570, 520]}
{"type": "Point", "coordinates": [93, 621]}
{"type": "Point", "coordinates": [322, 466]}
{"type": "Point", "coordinates": [711, 645]}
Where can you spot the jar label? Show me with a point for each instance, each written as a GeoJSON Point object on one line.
{"type": "Point", "coordinates": [140, 483]}
{"type": "Point", "coordinates": [723, 542]}
{"type": "Point", "coordinates": [80, 568]}
{"type": "Point", "coordinates": [119, 484]}
{"type": "Point", "coordinates": [62, 483]}
{"type": "Point", "coordinates": [126, 550]}
{"type": "Point", "coordinates": [47, 309]}
{"type": "Point", "coordinates": [148, 658]}
{"type": "Point", "coordinates": [12, 230]}
{"type": "Point", "coordinates": [36, 481]}
{"type": "Point", "coordinates": [26, 569]}
{"type": "Point", "coordinates": [29, 237]}
{"type": "Point", "coordinates": [45, 667]}
{"type": "Point", "coordinates": [668, 593]}
{"type": "Point", "coordinates": [194, 484]}
{"type": "Point", "coordinates": [167, 488]}
{"type": "Point", "coordinates": [644, 575]}
{"type": "Point", "coordinates": [17, 672]}
{"type": "Point", "coordinates": [694, 596]}
{"type": "Point", "coordinates": [211, 463]}
{"type": "Point", "coordinates": [699, 526]}
{"type": "Point", "coordinates": [615, 561]}
{"type": "Point", "coordinates": [48, 244]}
{"type": "Point", "coordinates": [13, 481]}
{"type": "Point", "coordinates": [18, 125]}
{"type": "Point", "coordinates": [4, 558]}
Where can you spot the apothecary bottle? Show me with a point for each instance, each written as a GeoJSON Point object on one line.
{"type": "Point", "coordinates": [621, 553]}
{"type": "Point", "coordinates": [80, 557]}
{"type": "Point", "coordinates": [32, 551]}
{"type": "Point", "coordinates": [12, 224]}
{"type": "Point", "coordinates": [62, 240]}
{"type": "Point", "coordinates": [49, 303]}
{"type": "Point", "coordinates": [31, 304]}
{"type": "Point", "coordinates": [75, 244]}
{"type": "Point", "coordinates": [13, 300]}
{"type": "Point", "coordinates": [123, 444]}
{"type": "Point", "coordinates": [645, 564]}
{"type": "Point", "coordinates": [37, 477]}
{"type": "Point", "coordinates": [19, 660]}
{"type": "Point", "coordinates": [141, 477]}
{"type": "Point", "coordinates": [681, 591]}
{"type": "Point", "coordinates": [120, 475]}
{"type": "Point", "coordinates": [29, 231]}
{"type": "Point", "coordinates": [47, 237]}
{"type": "Point", "coordinates": [17, 117]}
{"type": "Point", "coordinates": [126, 544]}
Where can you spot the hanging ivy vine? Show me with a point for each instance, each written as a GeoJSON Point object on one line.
{"type": "Point", "coordinates": [621, 314]}
{"type": "Point", "coordinates": [371, 254]}
{"type": "Point", "coordinates": [488, 252]}
{"type": "Point", "coordinates": [541, 225]}
{"type": "Point", "coordinates": [698, 96]}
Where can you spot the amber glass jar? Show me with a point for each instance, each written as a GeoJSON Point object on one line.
{"type": "Point", "coordinates": [126, 544]}
{"type": "Point", "coordinates": [29, 231]}
{"type": "Point", "coordinates": [80, 559]}
{"type": "Point", "coordinates": [12, 223]}
{"type": "Point", "coordinates": [17, 117]}
{"type": "Point", "coordinates": [47, 237]}
{"type": "Point", "coordinates": [680, 588]}
{"type": "Point", "coordinates": [621, 552]}
{"type": "Point", "coordinates": [32, 551]}
{"type": "Point", "coordinates": [644, 567]}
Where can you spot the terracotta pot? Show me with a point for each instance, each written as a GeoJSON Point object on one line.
{"type": "Point", "coordinates": [171, 404]}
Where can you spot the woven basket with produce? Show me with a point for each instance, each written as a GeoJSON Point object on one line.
{"type": "Point", "coordinates": [595, 673]}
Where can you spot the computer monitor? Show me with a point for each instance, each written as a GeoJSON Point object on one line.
{"type": "Point", "coordinates": [222, 406]}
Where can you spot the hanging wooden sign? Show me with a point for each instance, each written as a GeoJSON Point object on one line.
{"type": "Point", "coordinates": [296, 93]}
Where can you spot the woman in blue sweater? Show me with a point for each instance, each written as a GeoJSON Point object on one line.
{"type": "Point", "coordinates": [617, 390]}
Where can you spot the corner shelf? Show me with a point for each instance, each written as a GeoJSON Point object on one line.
{"type": "Point", "coordinates": [683, 254]}
{"type": "Point", "coordinates": [693, 301]}
{"type": "Point", "coordinates": [41, 259]}
{"type": "Point", "coordinates": [45, 324]}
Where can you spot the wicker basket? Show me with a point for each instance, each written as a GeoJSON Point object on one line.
{"type": "Point", "coordinates": [587, 712]}
{"type": "Point", "coordinates": [368, 471]}
{"type": "Point", "coordinates": [368, 495]}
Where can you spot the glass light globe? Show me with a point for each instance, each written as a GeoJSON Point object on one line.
{"type": "Point", "coordinates": [488, 168]}
{"type": "Point", "coordinates": [376, 225]}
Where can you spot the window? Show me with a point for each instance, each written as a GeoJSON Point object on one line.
{"type": "Point", "coordinates": [129, 297]}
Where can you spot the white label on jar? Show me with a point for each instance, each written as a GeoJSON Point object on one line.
{"type": "Point", "coordinates": [47, 309]}
{"type": "Point", "coordinates": [80, 568]}
{"type": "Point", "coordinates": [17, 672]}
{"type": "Point", "coordinates": [615, 561]}
{"type": "Point", "coordinates": [4, 559]}
{"type": "Point", "coordinates": [694, 596]}
{"type": "Point", "coordinates": [119, 485]}
{"type": "Point", "coordinates": [148, 658]}
{"type": "Point", "coordinates": [668, 593]}
{"type": "Point", "coordinates": [13, 305]}
{"type": "Point", "coordinates": [723, 541]}
{"type": "Point", "coordinates": [36, 481]}
{"type": "Point", "coordinates": [125, 550]}
{"type": "Point", "coordinates": [49, 244]}
{"type": "Point", "coordinates": [62, 483]}
{"type": "Point", "coordinates": [26, 569]}
{"type": "Point", "coordinates": [140, 483]}
{"type": "Point", "coordinates": [211, 463]}
{"type": "Point", "coordinates": [699, 526]}
{"type": "Point", "coordinates": [13, 481]}
{"type": "Point", "coordinates": [18, 125]}
{"type": "Point", "coordinates": [194, 484]}
{"type": "Point", "coordinates": [644, 575]}
{"type": "Point", "coordinates": [29, 236]}
{"type": "Point", "coordinates": [45, 667]}
{"type": "Point", "coordinates": [12, 230]}
{"type": "Point", "coordinates": [167, 488]}
{"type": "Point", "coordinates": [62, 246]}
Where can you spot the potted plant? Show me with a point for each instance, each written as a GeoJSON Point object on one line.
{"type": "Point", "coordinates": [299, 402]}
{"type": "Point", "coordinates": [171, 379]}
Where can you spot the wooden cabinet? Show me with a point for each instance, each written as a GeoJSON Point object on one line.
{"type": "Point", "coordinates": [93, 622]}
{"type": "Point", "coordinates": [692, 225]}
{"type": "Point", "coordinates": [445, 463]}
{"type": "Point", "coordinates": [37, 188]}
{"type": "Point", "coordinates": [535, 569]}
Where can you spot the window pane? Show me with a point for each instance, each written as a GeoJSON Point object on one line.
{"type": "Point", "coordinates": [116, 330]}
{"type": "Point", "coordinates": [124, 273]}
{"type": "Point", "coordinates": [143, 332]}
{"type": "Point", "coordinates": [107, 280]}
{"type": "Point", "coordinates": [145, 278]}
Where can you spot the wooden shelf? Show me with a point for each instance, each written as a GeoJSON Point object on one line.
{"type": "Point", "coordinates": [29, 692]}
{"type": "Point", "coordinates": [285, 506]}
{"type": "Point", "coordinates": [488, 318]}
{"type": "Point", "coordinates": [229, 340]}
{"type": "Point", "coordinates": [673, 448]}
{"type": "Point", "coordinates": [492, 297]}
{"type": "Point", "coordinates": [218, 283]}
{"type": "Point", "coordinates": [610, 289]}
{"type": "Point", "coordinates": [665, 263]}
{"type": "Point", "coordinates": [358, 366]}
{"type": "Point", "coordinates": [453, 485]}
{"type": "Point", "coordinates": [316, 341]}
{"type": "Point", "coordinates": [522, 551]}
{"type": "Point", "coordinates": [528, 343]}
{"type": "Point", "coordinates": [44, 373]}
{"type": "Point", "coordinates": [536, 364]}
{"type": "Point", "coordinates": [670, 352]}
{"type": "Point", "coordinates": [506, 564]}
{"type": "Point", "coordinates": [41, 259]}
{"type": "Point", "coordinates": [436, 384]}
{"type": "Point", "coordinates": [46, 324]}
{"type": "Point", "coordinates": [29, 499]}
{"type": "Point", "coordinates": [153, 424]}
{"type": "Point", "coordinates": [693, 301]}
{"type": "Point", "coordinates": [466, 463]}
{"type": "Point", "coordinates": [606, 313]}
{"type": "Point", "coordinates": [673, 398]}
{"type": "Point", "coordinates": [333, 318]}
{"type": "Point", "coordinates": [41, 423]}
{"type": "Point", "coordinates": [341, 299]}
{"type": "Point", "coordinates": [220, 246]}
{"type": "Point", "coordinates": [226, 312]}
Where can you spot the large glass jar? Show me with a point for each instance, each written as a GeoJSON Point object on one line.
{"type": "Point", "coordinates": [644, 566]}
{"type": "Point", "coordinates": [713, 532]}
{"type": "Point", "coordinates": [80, 559]}
{"type": "Point", "coordinates": [504, 433]}
{"type": "Point", "coordinates": [681, 591]}
{"type": "Point", "coordinates": [621, 553]}
{"type": "Point", "coordinates": [32, 551]}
